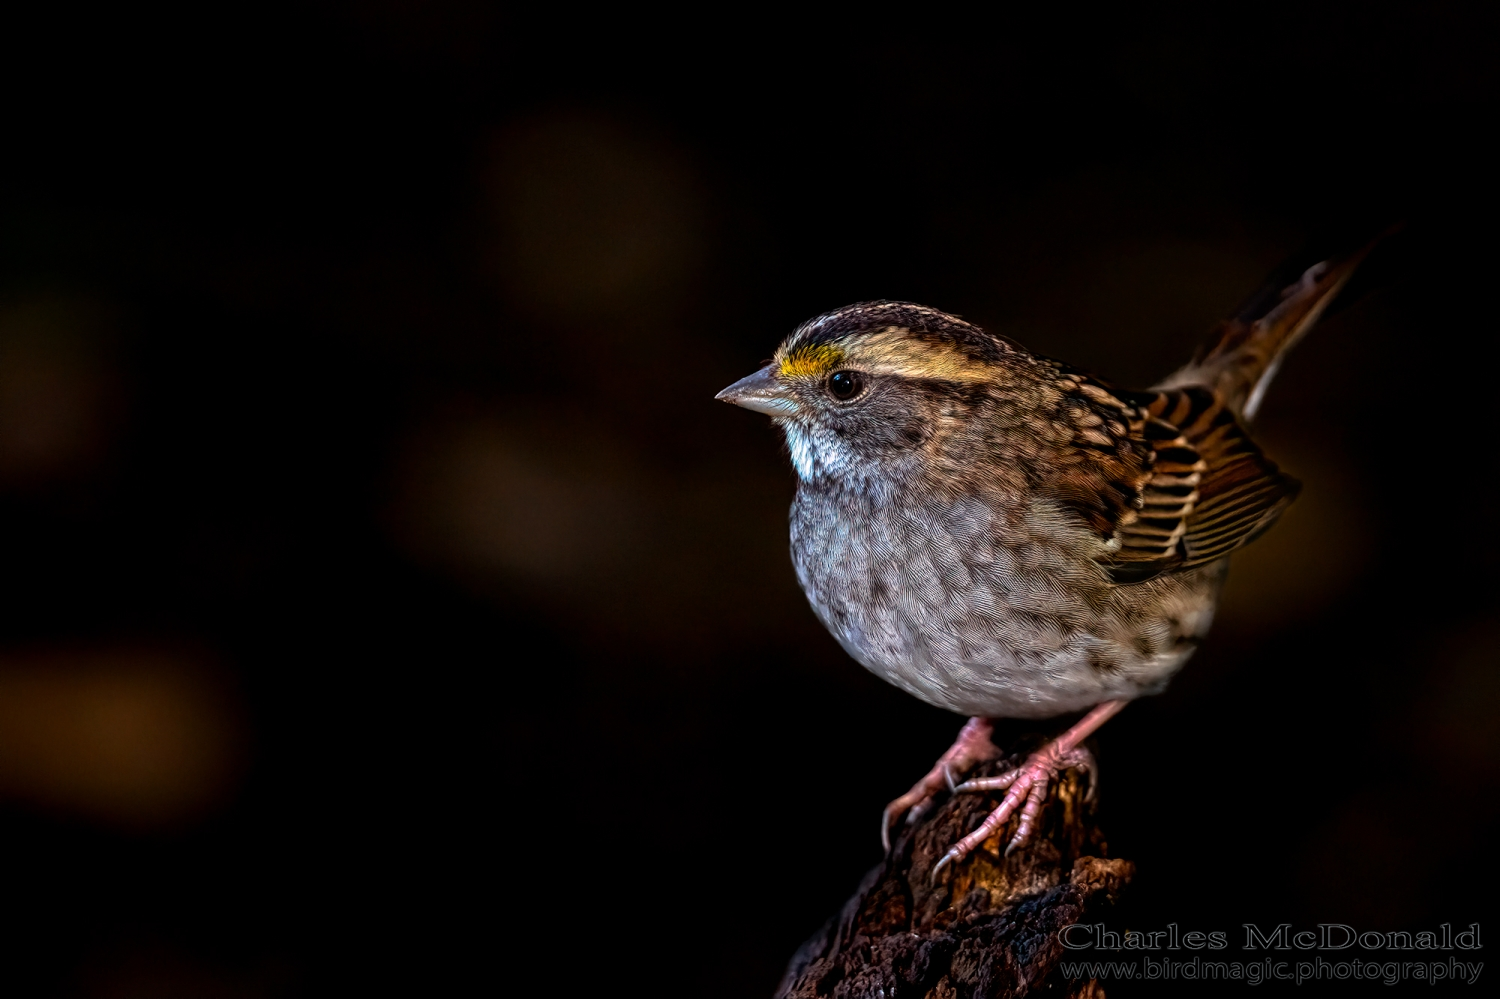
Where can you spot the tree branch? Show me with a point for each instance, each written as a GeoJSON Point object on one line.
{"type": "Point", "coordinates": [988, 929]}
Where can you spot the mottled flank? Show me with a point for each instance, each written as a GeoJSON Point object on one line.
{"type": "Point", "coordinates": [989, 609]}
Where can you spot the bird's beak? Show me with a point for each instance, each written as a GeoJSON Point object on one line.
{"type": "Point", "coordinates": [762, 392]}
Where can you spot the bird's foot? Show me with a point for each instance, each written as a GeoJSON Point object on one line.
{"type": "Point", "coordinates": [972, 746]}
{"type": "Point", "coordinates": [1026, 786]}
{"type": "Point", "coordinates": [1026, 789]}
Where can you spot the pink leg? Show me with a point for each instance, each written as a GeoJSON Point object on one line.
{"type": "Point", "coordinates": [972, 746]}
{"type": "Point", "coordinates": [1028, 784]}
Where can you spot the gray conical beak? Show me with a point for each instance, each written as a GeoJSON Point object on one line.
{"type": "Point", "coordinates": [762, 392]}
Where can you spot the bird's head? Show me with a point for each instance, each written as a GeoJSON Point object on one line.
{"type": "Point", "coordinates": [870, 385]}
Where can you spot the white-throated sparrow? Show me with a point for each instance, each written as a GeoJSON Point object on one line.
{"type": "Point", "coordinates": [1006, 537]}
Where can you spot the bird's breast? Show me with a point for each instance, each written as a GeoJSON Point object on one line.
{"type": "Point", "coordinates": [977, 605]}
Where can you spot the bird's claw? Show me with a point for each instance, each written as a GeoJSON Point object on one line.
{"type": "Point", "coordinates": [948, 858]}
{"type": "Point", "coordinates": [972, 746]}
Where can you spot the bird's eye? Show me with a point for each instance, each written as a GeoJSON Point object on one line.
{"type": "Point", "coordinates": [844, 384]}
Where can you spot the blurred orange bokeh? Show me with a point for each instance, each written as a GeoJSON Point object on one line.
{"type": "Point", "coordinates": [139, 739]}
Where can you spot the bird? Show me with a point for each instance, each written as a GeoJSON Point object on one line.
{"type": "Point", "coordinates": [1003, 535]}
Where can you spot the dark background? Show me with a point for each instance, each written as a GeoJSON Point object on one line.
{"type": "Point", "coordinates": [387, 602]}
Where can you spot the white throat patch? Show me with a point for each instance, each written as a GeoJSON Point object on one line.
{"type": "Point", "coordinates": [815, 451]}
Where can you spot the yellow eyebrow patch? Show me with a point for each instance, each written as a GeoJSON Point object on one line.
{"type": "Point", "coordinates": [812, 360]}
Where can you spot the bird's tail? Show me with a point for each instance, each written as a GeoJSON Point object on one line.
{"type": "Point", "coordinates": [1242, 356]}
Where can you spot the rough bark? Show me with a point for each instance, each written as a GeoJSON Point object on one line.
{"type": "Point", "coordinates": [988, 928]}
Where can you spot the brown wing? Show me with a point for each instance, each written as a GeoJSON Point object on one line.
{"type": "Point", "coordinates": [1182, 486]}
{"type": "Point", "coordinates": [1241, 492]}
